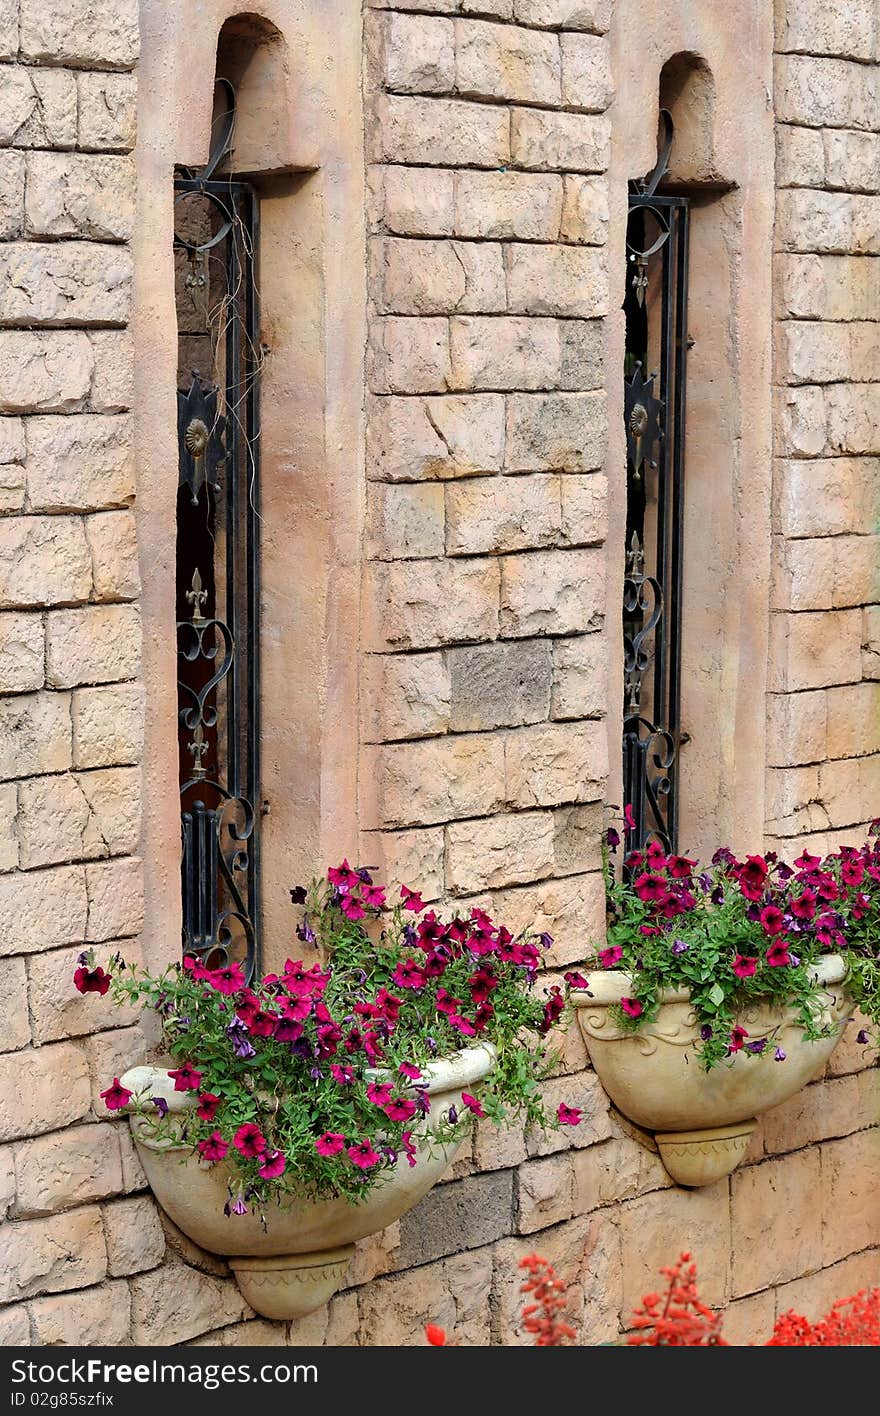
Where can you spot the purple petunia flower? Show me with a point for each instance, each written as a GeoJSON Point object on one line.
{"type": "Point", "coordinates": [679, 946]}
{"type": "Point", "coordinates": [862, 1037]}
{"type": "Point", "coordinates": [779, 1055]}
{"type": "Point", "coordinates": [705, 1032]}
{"type": "Point", "coordinates": [161, 1106]}
{"type": "Point", "coordinates": [757, 1046]}
{"type": "Point", "coordinates": [453, 1115]}
{"type": "Point", "coordinates": [237, 1032]}
{"type": "Point", "coordinates": [305, 932]}
{"type": "Point", "coordinates": [316, 1074]}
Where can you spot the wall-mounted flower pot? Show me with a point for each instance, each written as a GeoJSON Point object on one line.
{"type": "Point", "coordinates": [298, 1259]}
{"type": "Point", "coordinates": [702, 1121]}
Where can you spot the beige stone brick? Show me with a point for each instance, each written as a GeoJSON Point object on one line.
{"type": "Point", "coordinates": [455, 436]}
{"type": "Point", "coordinates": [505, 353]}
{"type": "Point", "coordinates": [259, 1333]}
{"type": "Point", "coordinates": [794, 802]}
{"type": "Point", "coordinates": [116, 899]}
{"type": "Point", "coordinates": [814, 649]}
{"type": "Point", "coordinates": [81, 33]}
{"type": "Point", "coordinates": [563, 432]}
{"type": "Point", "coordinates": [86, 816]}
{"type": "Point", "coordinates": [497, 1148]}
{"type": "Point", "coordinates": [656, 1228]}
{"type": "Point", "coordinates": [175, 1302]}
{"type": "Point", "coordinates": [15, 1030]}
{"type": "Point", "coordinates": [8, 838]}
{"type": "Point", "coordinates": [586, 73]}
{"type": "Point", "coordinates": [108, 1055]}
{"type": "Point", "coordinates": [52, 1255]}
{"type": "Point", "coordinates": [41, 1090]}
{"type": "Point", "coordinates": [848, 1195]}
{"type": "Point", "coordinates": [749, 1321]}
{"type": "Point", "coordinates": [584, 1093]}
{"type": "Point", "coordinates": [414, 201]}
{"type": "Point", "coordinates": [112, 538]}
{"type": "Point", "coordinates": [825, 496]}
{"type": "Point", "coordinates": [847, 27]}
{"type": "Point", "coordinates": [405, 521]}
{"type": "Point", "coordinates": [495, 514]}
{"type": "Point", "coordinates": [814, 1295]}
{"type": "Point", "coordinates": [827, 222]}
{"type": "Point", "coordinates": [579, 670]}
{"type": "Point", "coordinates": [797, 728]}
{"type": "Point", "coordinates": [517, 206]}
{"type": "Point", "coordinates": [440, 132]}
{"type": "Point", "coordinates": [551, 592]}
{"type": "Point", "coordinates": [824, 93]}
{"type": "Point", "coordinates": [437, 779]}
{"type": "Point", "coordinates": [550, 764]}
{"type": "Point", "coordinates": [497, 851]}
{"type": "Point", "coordinates": [871, 642]}
{"type": "Point", "coordinates": [813, 352]}
{"type": "Point", "coordinates": [408, 355]}
{"type": "Point", "coordinates": [423, 604]}
{"type": "Point", "coordinates": [69, 194]}
{"type": "Point", "coordinates": [850, 1055]}
{"type": "Point", "coordinates": [404, 696]}
{"type": "Point", "coordinates": [43, 560]}
{"type": "Point", "coordinates": [616, 1170]}
{"type": "Point", "coordinates": [113, 380]}
{"type": "Point", "coordinates": [557, 280]}
{"type": "Point", "coordinates": [833, 572]}
{"type": "Point", "coordinates": [58, 1010]}
{"type": "Point", "coordinates": [108, 725]}
{"type": "Point", "coordinates": [48, 371]}
{"type": "Point", "coordinates": [35, 734]}
{"type": "Point", "coordinates": [413, 858]}
{"type": "Point", "coordinates": [544, 1193]}
{"type": "Point", "coordinates": [853, 418]}
{"type": "Point", "coordinates": [566, 142]}
{"type": "Point", "coordinates": [21, 652]}
{"type": "Point", "coordinates": [577, 833]}
{"type": "Point", "coordinates": [12, 183]}
{"type": "Point", "coordinates": [12, 444]}
{"type": "Point", "coordinates": [107, 112]}
{"type": "Point", "coordinates": [849, 790]}
{"type": "Point", "coordinates": [800, 156]}
{"type": "Point", "coordinates": [80, 463]}
{"type": "Point", "coordinates": [775, 1221]}
{"type": "Point", "coordinates": [585, 211]}
{"type": "Point", "coordinates": [66, 1168]}
{"type": "Point", "coordinates": [38, 108]}
{"type": "Point", "coordinates": [72, 283]}
{"type": "Point", "coordinates": [800, 422]}
{"type": "Point", "coordinates": [582, 345]}
{"type": "Point", "coordinates": [46, 908]}
{"type": "Point", "coordinates": [593, 15]}
{"type": "Point", "coordinates": [435, 277]}
{"type": "Point", "coordinates": [8, 29]}
{"type": "Point", "coordinates": [852, 160]}
{"type": "Point", "coordinates": [827, 1109]}
{"type": "Point", "coordinates": [585, 1259]}
{"type": "Point", "coordinates": [571, 909]}
{"type": "Point", "coordinates": [7, 1180]}
{"type": "Point", "coordinates": [95, 1317]}
{"type": "Point", "coordinates": [418, 54]}
{"type": "Point", "coordinates": [12, 487]}
{"type": "Point", "coordinates": [499, 685]}
{"type": "Point", "coordinates": [15, 1328]}
{"type": "Point", "coordinates": [584, 510]}
{"type": "Point", "coordinates": [853, 713]}
{"type": "Point", "coordinates": [394, 1310]}
{"type": "Point", "coordinates": [505, 62]}
{"type": "Point", "coordinates": [96, 644]}
{"type": "Point", "coordinates": [135, 1239]}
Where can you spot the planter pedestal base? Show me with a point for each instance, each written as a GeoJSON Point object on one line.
{"type": "Point", "coordinates": [291, 1285]}
{"type": "Point", "coordinates": [700, 1157]}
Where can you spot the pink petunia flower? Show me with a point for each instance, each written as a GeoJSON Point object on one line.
{"type": "Point", "coordinates": [611, 956]}
{"type": "Point", "coordinates": [379, 1093]}
{"type": "Point", "coordinates": [399, 1108]}
{"type": "Point", "coordinates": [117, 1096]}
{"type": "Point", "coordinates": [226, 980]}
{"type": "Point", "coordinates": [373, 896]}
{"type": "Point", "coordinates": [568, 1115]}
{"type": "Point", "coordinates": [343, 1075]}
{"type": "Point", "coordinates": [91, 981]}
{"type": "Point", "coordinates": [412, 900]}
{"type": "Point", "coordinates": [352, 908]}
{"type": "Point", "coordinates": [777, 955]}
{"type": "Point", "coordinates": [214, 1148]}
{"type": "Point", "coordinates": [629, 819]}
{"type": "Point", "coordinates": [737, 1038]}
{"type": "Point", "coordinates": [772, 919]}
{"type": "Point", "coordinates": [331, 1143]}
{"type": "Point", "coordinates": [362, 1155]}
{"type": "Point", "coordinates": [744, 966]}
{"type": "Point", "coordinates": [408, 1069]}
{"type": "Point", "coordinates": [249, 1141]}
{"type": "Point", "coordinates": [273, 1165]}
{"type": "Point", "coordinates": [410, 1150]}
{"type": "Point", "coordinates": [207, 1107]}
{"type": "Point", "coordinates": [342, 876]}
{"type": "Point", "coordinates": [472, 1104]}
{"type": "Point", "coordinates": [186, 1078]}
{"type": "Point", "coordinates": [409, 975]}
{"type": "Point", "coordinates": [632, 1007]}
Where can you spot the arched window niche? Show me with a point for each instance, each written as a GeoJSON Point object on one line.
{"type": "Point", "coordinates": [712, 77]}
{"type": "Point", "coordinates": [297, 143]}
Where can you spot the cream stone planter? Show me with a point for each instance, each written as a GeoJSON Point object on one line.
{"type": "Point", "coordinates": [298, 1260]}
{"type": "Point", "coordinates": [701, 1121]}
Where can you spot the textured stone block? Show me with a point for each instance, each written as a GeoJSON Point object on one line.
{"type": "Point", "coordinates": [492, 514]}
{"type": "Point", "coordinates": [113, 381]}
{"type": "Point", "coordinates": [42, 1090]}
{"type": "Point", "coordinates": [797, 728]}
{"type": "Point", "coordinates": [413, 858]}
{"type": "Point", "coordinates": [46, 908]}
{"type": "Point", "coordinates": [584, 1093]}
{"type": "Point", "coordinates": [418, 54]}
{"type": "Point", "coordinates": [45, 372]}
{"type": "Point", "coordinates": [813, 650]}
{"type": "Point", "coordinates": [551, 592]}
{"type": "Point", "coordinates": [414, 201]}
{"type": "Point", "coordinates": [441, 132]}
{"type": "Point", "coordinates": [15, 1327]}
{"type": "Point", "coordinates": [585, 211]}
{"type": "Point", "coordinates": [499, 685]}
{"type": "Point", "coordinates": [108, 1055]}
{"type": "Point", "coordinates": [827, 1109]}
{"type": "Point", "coordinates": [563, 432]}
{"type": "Point", "coordinates": [8, 29]}
{"type": "Point", "coordinates": [73, 283]}
{"type": "Point", "coordinates": [557, 280]}
{"type": "Point", "coordinates": [831, 572]}
{"type": "Point", "coordinates": [829, 223]}
{"type": "Point", "coordinates": [824, 93]}
{"type": "Point", "coordinates": [505, 353]}
{"type": "Point", "coordinates": [656, 1225]}
{"type": "Point", "coordinates": [853, 713]}
{"type": "Point", "coordinates": [82, 33]}
{"type": "Point", "coordinates": [15, 1030]}
{"type": "Point", "coordinates": [593, 15]}
{"type": "Point", "coordinates": [67, 1168]}
{"type": "Point", "coordinates": [497, 851]}
{"type": "Point", "coordinates": [175, 1302]}
{"type": "Point", "coordinates": [586, 73]}
{"type": "Point", "coordinates": [107, 112]}
{"type": "Point", "coordinates": [555, 763]}
{"type": "Point", "coordinates": [135, 1239]}
{"type": "Point", "coordinates": [438, 779]}
{"type": "Point", "coordinates": [455, 436]}
{"type": "Point", "coordinates": [515, 206]}
{"type": "Point", "coordinates": [455, 1217]}
{"type": "Point", "coordinates": [871, 642]}
{"type": "Point", "coordinates": [852, 160]}
{"type": "Point", "coordinates": [112, 538]}
{"type": "Point", "coordinates": [846, 27]}
{"type": "Point", "coordinates": [88, 816]}
{"type": "Point", "coordinates": [423, 604]}
{"type": "Point", "coordinates": [43, 560]}
{"type": "Point", "coordinates": [108, 725]}
{"type": "Point", "coordinates": [69, 194]}
{"type": "Point", "coordinates": [825, 496]}
{"type": "Point", "coordinates": [800, 156]}
{"type": "Point", "coordinates": [35, 734]}
{"type": "Point", "coordinates": [614, 1171]}
{"type": "Point", "coordinates": [52, 1255]}
{"type": "Point", "coordinates": [568, 142]}
{"type": "Point", "coordinates": [58, 1010]}
{"type": "Point", "coordinates": [544, 1193]}
{"type": "Point", "coordinates": [38, 108]}
{"type": "Point", "coordinates": [435, 277]}
{"type": "Point", "coordinates": [817, 353]}
{"type": "Point", "coordinates": [96, 644]}
{"type": "Point", "coordinates": [404, 696]}
{"type": "Point", "coordinates": [505, 62]}
{"type": "Point", "coordinates": [408, 355]}
{"type": "Point", "coordinates": [21, 652]}
{"type": "Point", "coordinates": [405, 522]}
{"type": "Point", "coordinates": [852, 418]}
{"type": "Point", "coordinates": [80, 463]}
{"type": "Point", "coordinates": [579, 677]}
{"type": "Point", "coordinates": [12, 185]}
{"type": "Point", "coordinates": [776, 1221]}
{"type": "Point", "coordinates": [94, 1317]}
{"type": "Point", "coordinates": [116, 899]}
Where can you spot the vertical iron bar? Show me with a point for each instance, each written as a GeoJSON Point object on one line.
{"type": "Point", "coordinates": [233, 441]}
{"type": "Point", "coordinates": [682, 229]}
{"type": "Point", "coordinates": [252, 325]}
{"type": "Point", "coordinates": [658, 707]}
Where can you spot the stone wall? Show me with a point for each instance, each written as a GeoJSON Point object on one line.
{"type": "Point", "coordinates": [483, 686]}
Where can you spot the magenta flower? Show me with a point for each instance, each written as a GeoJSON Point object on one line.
{"type": "Point", "coordinates": [574, 979]}
{"type": "Point", "coordinates": [272, 1165]}
{"type": "Point", "coordinates": [744, 966]}
{"type": "Point", "coordinates": [409, 1148]}
{"type": "Point", "coordinates": [399, 1108]}
{"type": "Point", "coordinates": [91, 981]}
{"type": "Point", "coordinates": [462, 1025]}
{"type": "Point", "coordinates": [409, 975]}
{"type": "Point", "coordinates": [197, 971]}
{"type": "Point", "coordinates": [629, 820]}
{"type": "Point", "coordinates": [298, 1007]}
{"type": "Point", "coordinates": [737, 1038]}
{"type": "Point", "coordinates": [117, 1096]}
{"type": "Point", "coordinates": [249, 1141]}
{"type": "Point", "coordinates": [330, 1143]}
{"type": "Point", "coordinates": [777, 955]}
{"type": "Point", "coordinates": [408, 1069]}
{"type": "Point", "coordinates": [186, 1078]}
{"type": "Point", "coordinates": [772, 919]}
{"type": "Point", "coordinates": [373, 896]}
{"type": "Point", "coordinates": [352, 908]}
{"type": "Point", "coordinates": [226, 980]}
{"type": "Point", "coordinates": [214, 1148]}
{"type": "Point", "coordinates": [379, 1093]}
{"type": "Point", "coordinates": [612, 838]}
{"type": "Point", "coordinates": [632, 1007]}
{"type": "Point", "coordinates": [343, 1075]}
{"type": "Point", "coordinates": [568, 1115]}
{"type": "Point", "coordinates": [207, 1107]}
{"type": "Point", "coordinates": [412, 900]}
{"type": "Point", "coordinates": [651, 887]}
{"type": "Point", "coordinates": [609, 957]}
{"type": "Point", "coordinates": [342, 876]}
{"type": "Point", "coordinates": [804, 906]}
{"type": "Point", "coordinates": [286, 1030]}
{"type": "Point", "coordinates": [472, 1104]}
{"type": "Point", "coordinates": [362, 1155]}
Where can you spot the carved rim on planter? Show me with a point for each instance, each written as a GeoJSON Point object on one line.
{"type": "Point", "coordinates": [299, 1260]}
{"type": "Point", "coordinates": [702, 1121]}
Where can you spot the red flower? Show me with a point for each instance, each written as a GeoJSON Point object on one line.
{"type": "Point", "coordinates": [772, 919]}
{"type": "Point", "coordinates": [752, 875]}
{"type": "Point", "coordinates": [807, 861]}
{"type": "Point", "coordinates": [226, 980]}
{"type": "Point", "coordinates": [249, 1141]}
{"type": "Point", "coordinates": [352, 908]}
{"type": "Point", "coordinates": [186, 1078]}
{"type": "Point", "coordinates": [263, 1024]}
{"type": "Point", "coordinates": [362, 1155]}
{"type": "Point", "coordinates": [197, 971]}
{"type": "Point", "coordinates": [650, 887]}
{"type": "Point", "coordinates": [247, 1008]}
{"type": "Point", "coordinates": [852, 872]}
{"type": "Point", "coordinates": [399, 1108]}
{"type": "Point", "coordinates": [472, 1104]}
{"type": "Point", "coordinates": [462, 1025]}
{"type": "Point", "coordinates": [214, 1148]}
{"type": "Point", "coordinates": [330, 1143]}
{"type": "Point", "coordinates": [412, 899]}
{"type": "Point", "coordinates": [117, 1096]}
{"type": "Point", "coordinates": [737, 1038]}
{"type": "Point", "coordinates": [744, 966]}
{"type": "Point", "coordinates": [611, 956]}
{"type": "Point", "coordinates": [373, 896]}
{"type": "Point", "coordinates": [410, 1150]}
{"type": "Point", "coordinates": [273, 1165]}
{"type": "Point", "coordinates": [568, 1115]}
{"type": "Point", "coordinates": [680, 867]}
{"type": "Point", "coordinates": [207, 1107]}
{"type": "Point", "coordinates": [804, 906]}
{"type": "Point", "coordinates": [379, 1093]}
{"type": "Point", "coordinates": [778, 955]}
{"type": "Point", "coordinates": [409, 975]}
{"type": "Point", "coordinates": [91, 981]}
{"type": "Point", "coordinates": [435, 1335]}
{"type": "Point", "coordinates": [629, 820]}
{"type": "Point", "coordinates": [553, 1009]}
{"type": "Point", "coordinates": [632, 1007]}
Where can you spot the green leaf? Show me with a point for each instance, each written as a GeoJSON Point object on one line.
{"type": "Point", "coordinates": [716, 994]}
